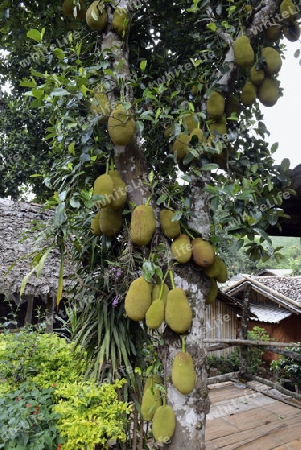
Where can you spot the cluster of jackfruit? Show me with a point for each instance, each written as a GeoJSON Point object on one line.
{"type": "Point", "coordinates": [108, 220]}
{"type": "Point", "coordinates": [97, 18]}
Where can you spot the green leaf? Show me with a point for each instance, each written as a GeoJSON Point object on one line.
{"type": "Point", "coordinates": [211, 26]}
{"type": "Point", "coordinates": [143, 65]}
{"type": "Point", "coordinates": [35, 35]}
{"type": "Point", "coordinates": [208, 167]}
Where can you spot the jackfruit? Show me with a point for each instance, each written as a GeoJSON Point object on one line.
{"type": "Point", "coordinates": [268, 92]}
{"type": "Point", "coordinates": [178, 314]}
{"type": "Point", "coordinates": [156, 292]}
{"type": "Point", "coordinates": [100, 106]}
{"type": "Point", "coordinates": [183, 375]}
{"type": "Point", "coordinates": [103, 185]}
{"type": "Point", "coordinates": [191, 121]}
{"type": "Point", "coordinates": [71, 10]}
{"type": "Point", "coordinates": [202, 252]}
{"type": "Point", "coordinates": [213, 291]}
{"type": "Point", "coordinates": [218, 270]}
{"type": "Point", "coordinates": [243, 52]}
{"type": "Point", "coordinates": [120, 21]}
{"type": "Point", "coordinates": [97, 16]}
{"type": "Point", "coordinates": [163, 424]}
{"type": "Point", "coordinates": [273, 60]}
{"type": "Point", "coordinates": [248, 94]}
{"type": "Point", "coordinates": [167, 131]}
{"type": "Point", "coordinates": [171, 229]}
{"type": "Point", "coordinates": [121, 126]}
{"type": "Point", "coordinates": [152, 380]}
{"type": "Point", "coordinates": [198, 133]}
{"type": "Point", "coordinates": [194, 89]}
{"type": "Point", "coordinates": [151, 400]}
{"type": "Point", "coordinates": [256, 76]}
{"type": "Point", "coordinates": [218, 127]}
{"type": "Point", "coordinates": [155, 314]}
{"type": "Point", "coordinates": [110, 221]}
{"type": "Point", "coordinates": [273, 33]}
{"type": "Point", "coordinates": [181, 249]}
{"type": "Point", "coordinates": [215, 105]}
{"type": "Point", "coordinates": [232, 106]}
{"type": "Point", "coordinates": [95, 225]}
{"type": "Point", "coordinates": [180, 146]}
{"type": "Point", "coordinates": [292, 31]}
{"type": "Point", "coordinates": [143, 224]}
{"type": "Point", "coordinates": [138, 299]}
{"type": "Point", "coordinates": [288, 10]}
{"type": "Point", "coordinates": [119, 194]}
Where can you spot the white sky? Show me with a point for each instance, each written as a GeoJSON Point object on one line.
{"type": "Point", "coordinates": [283, 120]}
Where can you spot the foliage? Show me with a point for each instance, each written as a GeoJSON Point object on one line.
{"type": "Point", "coordinates": [224, 364]}
{"type": "Point", "coordinates": [47, 399]}
{"type": "Point", "coordinates": [286, 367]}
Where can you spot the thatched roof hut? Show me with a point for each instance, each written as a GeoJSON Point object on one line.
{"type": "Point", "coordinates": [15, 219]}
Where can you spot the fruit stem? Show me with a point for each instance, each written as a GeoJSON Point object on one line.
{"type": "Point", "coordinates": [172, 278]}
{"type": "Point", "coordinates": [183, 343]}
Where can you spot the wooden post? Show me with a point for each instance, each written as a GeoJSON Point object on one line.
{"type": "Point", "coordinates": [243, 334]}
{"type": "Point", "coordinates": [49, 308]}
{"type": "Point", "coordinates": [28, 316]}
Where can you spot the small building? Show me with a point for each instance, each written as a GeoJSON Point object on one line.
{"type": "Point", "coordinates": [275, 304]}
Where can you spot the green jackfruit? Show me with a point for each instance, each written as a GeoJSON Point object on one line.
{"type": "Point", "coordinates": [151, 401]}
{"type": "Point", "coordinates": [219, 127]}
{"type": "Point", "coordinates": [232, 106]}
{"type": "Point", "coordinates": [103, 185]}
{"type": "Point", "coordinates": [202, 252]}
{"type": "Point", "coordinates": [171, 229]}
{"type": "Point", "coordinates": [218, 270]}
{"type": "Point", "coordinates": [119, 194]}
{"type": "Point", "coordinates": [178, 314]}
{"type": "Point", "coordinates": [288, 10]}
{"type": "Point", "coordinates": [268, 92]}
{"type": "Point", "coordinates": [110, 221]}
{"type": "Point", "coordinates": [180, 146]}
{"type": "Point", "coordinates": [95, 225]}
{"type": "Point", "coordinates": [138, 299]}
{"type": "Point", "coordinates": [121, 126]}
{"type": "Point", "coordinates": [97, 16]}
{"type": "Point", "coordinates": [213, 291]}
{"type": "Point", "coordinates": [183, 374]}
{"type": "Point", "coordinates": [273, 33]}
{"type": "Point", "coordinates": [156, 292]}
{"type": "Point", "coordinates": [292, 31]}
{"type": "Point", "coordinates": [243, 52]}
{"type": "Point", "coordinates": [256, 76]}
{"type": "Point", "coordinates": [143, 224]}
{"type": "Point", "coordinates": [155, 314]}
{"type": "Point", "coordinates": [190, 121]}
{"type": "Point", "coordinates": [198, 133]}
{"type": "Point", "coordinates": [152, 380]}
{"type": "Point", "coordinates": [215, 105]}
{"type": "Point", "coordinates": [248, 94]}
{"type": "Point", "coordinates": [273, 60]}
{"type": "Point", "coordinates": [120, 21]}
{"type": "Point", "coordinates": [100, 106]}
{"type": "Point", "coordinates": [181, 249]}
{"type": "Point", "coordinates": [163, 424]}
{"type": "Point", "coordinates": [70, 10]}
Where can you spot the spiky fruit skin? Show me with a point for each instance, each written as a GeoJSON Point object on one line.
{"type": "Point", "coordinates": [198, 133]}
{"type": "Point", "coordinates": [138, 299]}
{"type": "Point", "coordinates": [143, 224]}
{"type": "Point", "coordinates": [121, 126]}
{"type": "Point", "coordinates": [96, 16]}
{"type": "Point", "coordinates": [268, 92]}
{"type": "Point", "coordinates": [215, 105]}
{"type": "Point", "coordinates": [163, 424]}
{"type": "Point", "coordinates": [256, 76]}
{"type": "Point", "coordinates": [152, 380]}
{"type": "Point", "coordinates": [103, 185]}
{"type": "Point", "coordinates": [170, 229]}
{"type": "Point", "coordinates": [178, 314]}
{"type": "Point", "coordinates": [180, 146]}
{"type": "Point", "coordinates": [183, 375]}
{"type": "Point", "coordinates": [68, 9]}
{"type": "Point", "coordinates": [218, 270]}
{"type": "Point", "coordinates": [292, 31]}
{"type": "Point", "coordinates": [248, 94]}
{"type": "Point", "coordinates": [156, 292]}
{"type": "Point", "coordinates": [203, 253]}
{"type": "Point", "coordinates": [110, 221]}
{"type": "Point", "coordinates": [151, 401]}
{"type": "Point", "coordinates": [218, 127]}
{"type": "Point", "coordinates": [273, 33]}
{"type": "Point", "coordinates": [120, 21]}
{"type": "Point", "coordinates": [288, 10]}
{"type": "Point", "coordinates": [190, 121]}
{"type": "Point", "coordinates": [213, 291]}
{"type": "Point", "coordinates": [272, 60]}
{"type": "Point", "coordinates": [119, 193]}
{"type": "Point", "coordinates": [95, 225]}
{"type": "Point", "coordinates": [243, 52]}
{"type": "Point", "coordinates": [181, 249]}
{"type": "Point", "coordinates": [100, 106]}
{"type": "Point", "coordinates": [155, 314]}
{"type": "Point", "coordinates": [232, 106]}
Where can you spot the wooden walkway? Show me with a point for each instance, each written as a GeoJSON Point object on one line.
{"type": "Point", "coordinates": [242, 418]}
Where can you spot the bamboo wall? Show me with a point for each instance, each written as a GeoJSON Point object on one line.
{"type": "Point", "coordinates": [221, 322]}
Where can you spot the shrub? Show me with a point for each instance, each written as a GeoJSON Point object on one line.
{"type": "Point", "coordinates": [286, 367]}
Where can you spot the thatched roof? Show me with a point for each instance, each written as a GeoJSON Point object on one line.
{"type": "Point", "coordinates": [15, 219]}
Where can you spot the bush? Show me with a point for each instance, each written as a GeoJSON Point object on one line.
{"type": "Point", "coordinates": [224, 364]}
{"type": "Point", "coordinates": [287, 368]}
{"type": "Point", "coordinates": [45, 400]}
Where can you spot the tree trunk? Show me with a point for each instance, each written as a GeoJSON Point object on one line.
{"type": "Point", "coordinates": [28, 316]}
